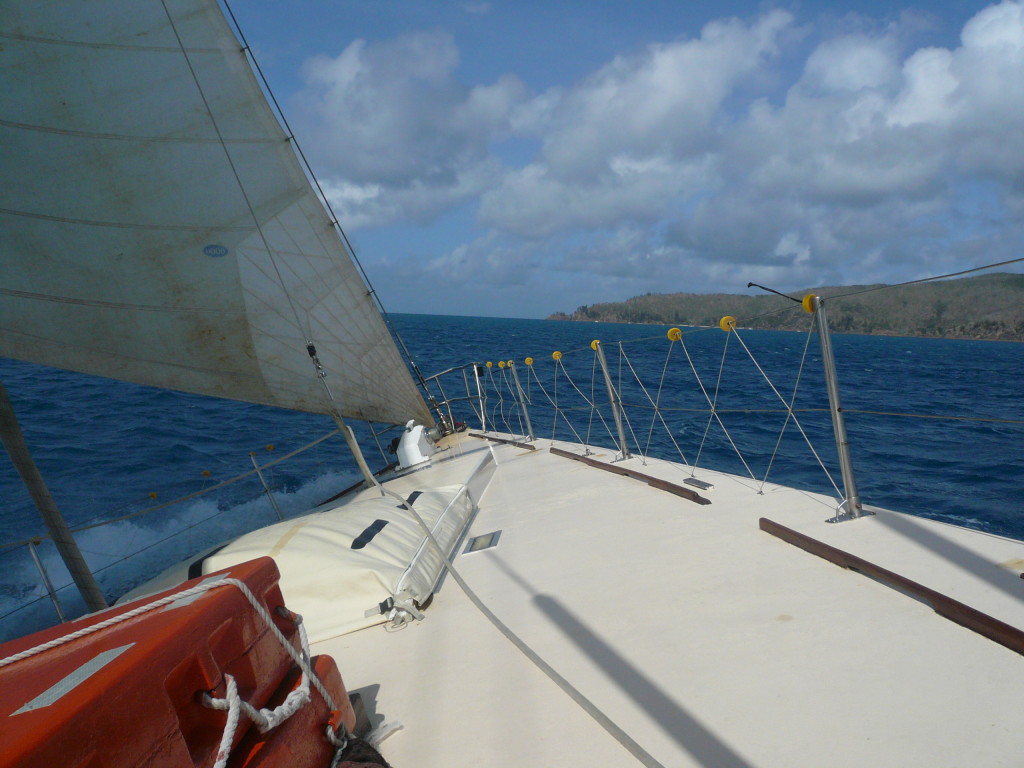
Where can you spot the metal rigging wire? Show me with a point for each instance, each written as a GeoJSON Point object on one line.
{"type": "Point", "coordinates": [929, 279]}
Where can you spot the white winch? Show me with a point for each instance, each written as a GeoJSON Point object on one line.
{"type": "Point", "coordinates": [415, 447]}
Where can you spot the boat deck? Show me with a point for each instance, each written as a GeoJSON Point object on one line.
{"type": "Point", "coordinates": [679, 634]}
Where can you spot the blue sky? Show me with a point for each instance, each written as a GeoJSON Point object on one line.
{"type": "Point", "coordinates": [519, 158]}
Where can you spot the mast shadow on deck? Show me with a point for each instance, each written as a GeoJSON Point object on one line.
{"type": "Point", "coordinates": [949, 550]}
{"type": "Point", "coordinates": [703, 746]}
{"type": "Point", "coordinates": [692, 736]}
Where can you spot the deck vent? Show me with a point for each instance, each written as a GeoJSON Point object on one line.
{"type": "Point", "coordinates": [704, 486]}
{"type": "Point", "coordinates": [486, 541]}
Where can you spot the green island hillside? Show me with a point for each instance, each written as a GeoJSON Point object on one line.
{"type": "Point", "coordinates": [984, 307]}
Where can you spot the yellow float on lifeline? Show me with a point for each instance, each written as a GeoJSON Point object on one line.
{"type": "Point", "coordinates": [674, 334]}
{"type": "Point", "coordinates": [727, 323]}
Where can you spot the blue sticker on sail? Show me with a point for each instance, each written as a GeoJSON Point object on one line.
{"type": "Point", "coordinates": [215, 251]}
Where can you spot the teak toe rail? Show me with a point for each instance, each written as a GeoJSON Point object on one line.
{"type": "Point", "coordinates": [945, 606]}
{"type": "Point", "coordinates": [504, 441]}
{"type": "Point", "coordinates": [654, 482]}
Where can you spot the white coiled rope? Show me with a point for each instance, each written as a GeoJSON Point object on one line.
{"type": "Point", "coordinates": [265, 719]}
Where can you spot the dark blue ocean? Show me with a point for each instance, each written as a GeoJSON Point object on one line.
{"type": "Point", "coordinates": [110, 450]}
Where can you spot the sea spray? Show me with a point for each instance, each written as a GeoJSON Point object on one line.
{"type": "Point", "coordinates": [127, 553]}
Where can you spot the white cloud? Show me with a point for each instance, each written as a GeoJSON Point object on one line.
{"type": "Point", "coordinates": [791, 246]}
{"type": "Point", "coordinates": [852, 63]}
{"type": "Point", "coordinates": [713, 154]}
{"type": "Point", "coordinates": [627, 253]}
{"type": "Point", "coordinates": [536, 202]}
{"type": "Point", "coordinates": [418, 201]}
{"type": "Point", "coordinates": [477, 9]}
{"type": "Point", "coordinates": [868, 152]}
{"type": "Point", "coordinates": [392, 121]}
{"type": "Point", "coordinates": [491, 261]}
{"type": "Point", "coordinates": [929, 85]}
{"type": "Point", "coordinates": [630, 140]}
{"type": "Point", "coordinates": [998, 26]}
{"type": "Point", "coordinates": [662, 101]}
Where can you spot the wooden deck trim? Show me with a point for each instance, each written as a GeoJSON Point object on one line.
{"type": "Point", "coordinates": [961, 613]}
{"type": "Point", "coordinates": [503, 441]}
{"type": "Point", "coordinates": [653, 482]}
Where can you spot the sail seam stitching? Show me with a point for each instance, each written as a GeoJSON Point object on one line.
{"type": "Point", "coordinates": [115, 304]}
{"type": "Point", "coordinates": [234, 170]}
{"type": "Point", "coordinates": [131, 137]}
{"type": "Point", "coordinates": [122, 224]}
{"type": "Point", "coordinates": [102, 46]}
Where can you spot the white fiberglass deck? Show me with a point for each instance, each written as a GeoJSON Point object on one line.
{"type": "Point", "coordinates": [707, 641]}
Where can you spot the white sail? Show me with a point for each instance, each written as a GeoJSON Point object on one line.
{"type": "Point", "coordinates": [157, 227]}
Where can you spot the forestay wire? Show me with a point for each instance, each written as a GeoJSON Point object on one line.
{"type": "Point", "coordinates": [247, 49]}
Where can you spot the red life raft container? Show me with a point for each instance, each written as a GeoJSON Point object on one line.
{"type": "Point", "coordinates": [131, 694]}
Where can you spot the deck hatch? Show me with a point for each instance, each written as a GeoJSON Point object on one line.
{"type": "Point", "coordinates": [484, 541]}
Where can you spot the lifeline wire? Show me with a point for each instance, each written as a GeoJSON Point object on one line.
{"type": "Point", "coordinates": [500, 404]}
{"type": "Point", "coordinates": [554, 404]}
{"type": "Point", "coordinates": [980, 419]}
{"type": "Point", "coordinates": [791, 413]}
{"type": "Point", "coordinates": [739, 339]}
{"type": "Point", "coordinates": [187, 497]}
{"type": "Point", "coordinates": [714, 412]}
{"type": "Point", "coordinates": [748, 320]}
{"type": "Point", "coordinates": [593, 401]}
{"type": "Point", "coordinates": [622, 406]}
{"type": "Point", "coordinates": [511, 413]}
{"type": "Point", "coordinates": [593, 397]}
{"type": "Point", "coordinates": [657, 403]}
{"type": "Point", "coordinates": [515, 399]}
{"type": "Point", "coordinates": [929, 279]}
{"type": "Point", "coordinates": [589, 401]}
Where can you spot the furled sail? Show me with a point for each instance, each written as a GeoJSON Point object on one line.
{"type": "Point", "coordinates": [157, 227]}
